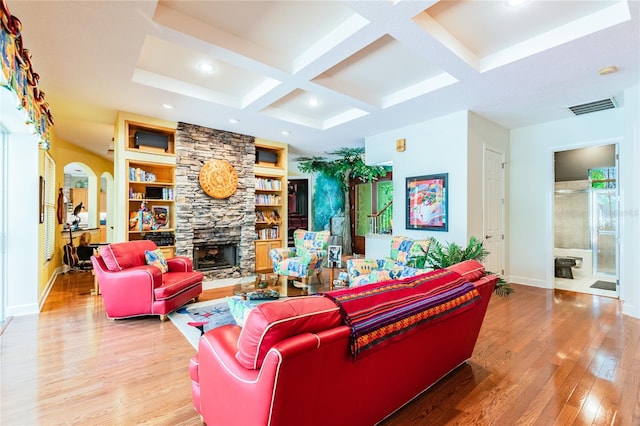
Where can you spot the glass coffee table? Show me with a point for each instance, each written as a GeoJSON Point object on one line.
{"type": "Point", "coordinates": [269, 286]}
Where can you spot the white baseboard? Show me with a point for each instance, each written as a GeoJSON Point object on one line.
{"type": "Point", "coordinates": [529, 281]}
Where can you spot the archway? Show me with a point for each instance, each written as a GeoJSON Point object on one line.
{"type": "Point", "coordinates": [81, 187]}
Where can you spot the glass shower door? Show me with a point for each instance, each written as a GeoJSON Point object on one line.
{"type": "Point", "coordinates": [605, 231]}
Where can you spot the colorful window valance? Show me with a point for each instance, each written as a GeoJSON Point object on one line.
{"type": "Point", "coordinates": [18, 76]}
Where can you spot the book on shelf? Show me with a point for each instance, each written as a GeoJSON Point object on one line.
{"type": "Point", "coordinates": [272, 233]}
{"type": "Point", "coordinates": [268, 184]}
{"type": "Point", "coordinates": [268, 199]}
{"type": "Point", "coordinates": [136, 174]}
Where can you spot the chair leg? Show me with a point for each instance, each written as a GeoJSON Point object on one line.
{"type": "Point", "coordinates": [163, 317]}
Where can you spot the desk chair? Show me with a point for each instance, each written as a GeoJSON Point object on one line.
{"type": "Point", "coordinates": [84, 256]}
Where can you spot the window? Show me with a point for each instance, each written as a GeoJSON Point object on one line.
{"type": "Point", "coordinates": [49, 206]}
{"type": "Point", "coordinates": [603, 177]}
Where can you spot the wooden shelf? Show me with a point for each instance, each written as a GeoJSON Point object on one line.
{"type": "Point", "coordinates": [133, 128]}
{"type": "Point", "coordinates": [151, 183]}
{"type": "Point", "coordinates": [270, 185]}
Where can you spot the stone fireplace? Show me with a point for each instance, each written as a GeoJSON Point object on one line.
{"type": "Point", "coordinates": [207, 227]}
{"type": "Point", "coordinates": [210, 257]}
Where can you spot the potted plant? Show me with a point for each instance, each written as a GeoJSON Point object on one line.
{"type": "Point", "coordinates": [447, 254]}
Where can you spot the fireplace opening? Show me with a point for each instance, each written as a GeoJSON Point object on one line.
{"type": "Point", "coordinates": [208, 257]}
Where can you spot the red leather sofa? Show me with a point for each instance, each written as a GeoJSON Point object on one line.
{"type": "Point", "coordinates": [291, 364]}
{"type": "Point", "coordinates": [130, 287]}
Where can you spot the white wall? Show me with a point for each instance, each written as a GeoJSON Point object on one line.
{"type": "Point", "coordinates": [451, 144]}
{"type": "Point", "coordinates": [530, 168]}
{"type": "Point", "coordinates": [435, 146]}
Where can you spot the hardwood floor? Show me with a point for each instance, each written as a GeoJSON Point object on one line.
{"type": "Point", "coordinates": [543, 358]}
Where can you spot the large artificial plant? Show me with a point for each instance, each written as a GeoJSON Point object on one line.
{"type": "Point", "coordinates": [447, 254]}
{"type": "Point", "coordinates": [344, 164]}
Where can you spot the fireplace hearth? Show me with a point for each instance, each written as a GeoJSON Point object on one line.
{"type": "Point", "coordinates": [210, 257]}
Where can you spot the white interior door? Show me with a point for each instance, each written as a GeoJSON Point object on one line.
{"type": "Point", "coordinates": [493, 190]}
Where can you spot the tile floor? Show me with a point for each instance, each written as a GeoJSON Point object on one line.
{"type": "Point", "coordinates": [582, 285]}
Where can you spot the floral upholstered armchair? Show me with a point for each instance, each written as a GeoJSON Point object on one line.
{"type": "Point", "coordinates": [305, 259]}
{"type": "Point", "coordinates": [406, 259]}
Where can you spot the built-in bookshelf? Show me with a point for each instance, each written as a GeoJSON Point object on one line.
{"type": "Point", "coordinates": [270, 202]}
{"type": "Point", "coordinates": [151, 204]}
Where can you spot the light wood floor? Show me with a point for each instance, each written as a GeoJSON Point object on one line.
{"type": "Point", "coordinates": [543, 358]}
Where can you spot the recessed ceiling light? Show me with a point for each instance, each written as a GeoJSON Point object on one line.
{"type": "Point", "coordinates": [234, 121]}
{"type": "Point", "coordinates": [168, 106]}
{"type": "Point", "coordinates": [608, 70]}
{"type": "Point", "coordinates": [313, 102]}
{"type": "Point", "coordinates": [515, 3]}
{"type": "Point", "coordinates": [286, 132]}
{"type": "Point", "coordinates": [205, 67]}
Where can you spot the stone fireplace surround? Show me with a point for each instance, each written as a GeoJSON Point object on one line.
{"type": "Point", "coordinates": [202, 218]}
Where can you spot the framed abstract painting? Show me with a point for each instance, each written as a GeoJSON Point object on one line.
{"type": "Point", "coordinates": [427, 202]}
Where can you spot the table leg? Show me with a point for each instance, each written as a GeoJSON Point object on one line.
{"type": "Point", "coordinates": [331, 279]}
{"type": "Point", "coordinates": [96, 288]}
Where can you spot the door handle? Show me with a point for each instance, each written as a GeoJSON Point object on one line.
{"type": "Point", "coordinates": [487, 237]}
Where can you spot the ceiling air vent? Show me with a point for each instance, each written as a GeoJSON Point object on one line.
{"type": "Point", "coordinates": [595, 106]}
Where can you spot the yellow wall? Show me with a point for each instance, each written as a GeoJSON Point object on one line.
{"type": "Point", "coordinates": [64, 153]}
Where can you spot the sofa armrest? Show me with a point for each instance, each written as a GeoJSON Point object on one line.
{"type": "Point", "coordinates": [218, 369]}
{"type": "Point", "coordinates": [180, 264]}
{"type": "Point", "coordinates": [313, 258]}
{"type": "Point", "coordinates": [130, 290]}
{"type": "Point", "coordinates": [278, 254]}
{"type": "Point", "coordinates": [222, 343]}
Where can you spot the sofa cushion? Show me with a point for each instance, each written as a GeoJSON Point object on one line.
{"type": "Point", "coordinates": [471, 270]}
{"type": "Point", "coordinates": [156, 258]}
{"type": "Point", "coordinates": [120, 256]}
{"type": "Point", "coordinates": [176, 282]}
{"type": "Point", "coordinates": [269, 323]}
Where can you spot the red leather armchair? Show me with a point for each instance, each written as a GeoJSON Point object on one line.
{"type": "Point", "coordinates": [132, 288]}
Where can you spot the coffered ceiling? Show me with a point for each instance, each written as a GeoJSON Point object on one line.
{"type": "Point", "coordinates": [326, 73]}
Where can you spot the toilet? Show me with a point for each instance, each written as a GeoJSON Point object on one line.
{"type": "Point", "coordinates": [563, 267]}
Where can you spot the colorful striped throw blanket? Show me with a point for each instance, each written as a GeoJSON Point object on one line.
{"type": "Point", "coordinates": [381, 312]}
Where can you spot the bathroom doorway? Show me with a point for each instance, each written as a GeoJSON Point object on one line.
{"type": "Point", "coordinates": [586, 220]}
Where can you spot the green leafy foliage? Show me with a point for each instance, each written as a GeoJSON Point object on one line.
{"type": "Point", "coordinates": [343, 164]}
{"type": "Point", "coordinates": [447, 254]}
{"type": "Point", "coordinates": [502, 287]}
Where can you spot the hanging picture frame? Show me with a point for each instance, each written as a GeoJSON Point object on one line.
{"type": "Point", "coordinates": [427, 202]}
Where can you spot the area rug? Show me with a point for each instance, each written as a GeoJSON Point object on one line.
{"type": "Point", "coordinates": [215, 312]}
{"type": "Point", "coordinates": [604, 285]}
